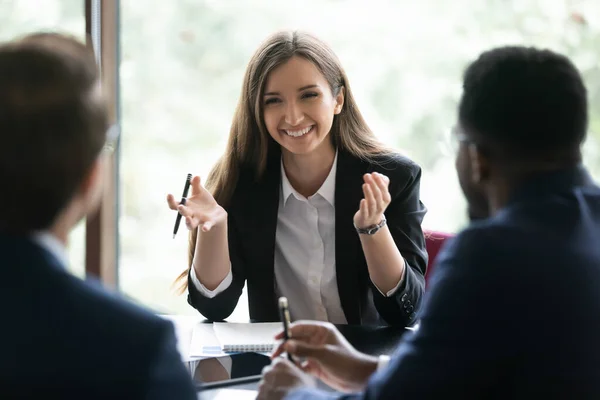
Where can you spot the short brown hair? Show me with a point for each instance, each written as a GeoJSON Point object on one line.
{"type": "Point", "coordinates": [53, 125]}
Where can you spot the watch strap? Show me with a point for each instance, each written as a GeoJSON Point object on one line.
{"type": "Point", "coordinates": [371, 230]}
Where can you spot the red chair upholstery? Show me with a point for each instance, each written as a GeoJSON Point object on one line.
{"type": "Point", "coordinates": [433, 241]}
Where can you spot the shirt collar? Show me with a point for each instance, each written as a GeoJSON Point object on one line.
{"type": "Point", "coordinates": [327, 189]}
{"type": "Point", "coordinates": [51, 244]}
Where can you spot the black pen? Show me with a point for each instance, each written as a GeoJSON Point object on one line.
{"type": "Point", "coordinates": [188, 180]}
{"type": "Point", "coordinates": [284, 314]}
{"type": "Point", "coordinates": [227, 383]}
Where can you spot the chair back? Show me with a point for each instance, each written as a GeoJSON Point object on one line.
{"type": "Point", "coordinates": [434, 241]}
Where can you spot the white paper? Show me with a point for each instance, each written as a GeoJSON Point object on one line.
{"type": "Point", "coordinates": [259, 336]}
{"type": "Point", "coordinates": [237, 394]}
{"type": "Point", "coordinates": [204, 342]}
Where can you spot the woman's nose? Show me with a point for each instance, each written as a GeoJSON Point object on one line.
{"type": "Point", "coordinates": [293, 114]}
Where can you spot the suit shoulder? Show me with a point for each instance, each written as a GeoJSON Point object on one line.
{"type": "Point", "coordinates": [484, 244]}
{"type": "Point", "coordinates": [129, 322]}
{"type": "Point", "coordinates": [396, 165]}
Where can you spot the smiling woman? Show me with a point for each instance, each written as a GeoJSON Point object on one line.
{"type": "Point", "coordinates": [344, 248]}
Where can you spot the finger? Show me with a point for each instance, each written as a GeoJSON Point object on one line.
{"type": "Point", "coordinates": [196, 186]}
{"type": "Point", "coordinates": [382, 183]}
{"type": "Point", "coordinates": [283, 366]}
{"type": "Point", "coordinates": [185, 211]}
{"type": "Point", "coordinates": [302, 349]}
{"type": "Point", "coordinates": [278, 351]}
{"type": "Point", "coordinates": [364, 208]}
{"type": "Point", "coordinates": [277, 365]}
{"type": "Point", "coordinates": [189, 223]}
{"type": "Point", "coordinates": [280, 335]}
{"type": "Point", "coordinates": [377, 194]}
{"type": "Point", "coordinates": [172, 202]}
{"type": "Point", "coordinates": [370, 198]}
{"type": "Point", "coordinates": [310, 367]}
{"type": "Point", "coordinates": [206, 226]}
{"type": "Point", "coordinates": [384, 179]}
{"type": "Point", "coordinates": [266, 369]}
{"type": "Point", "coordinates": [261, 389]}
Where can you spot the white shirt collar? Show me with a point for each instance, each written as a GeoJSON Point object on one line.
{"type": "Point", "coordinates": [327, 189]}
{"type": "Point", "coordinates": [50, 243]}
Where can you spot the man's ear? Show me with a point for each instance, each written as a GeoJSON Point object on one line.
{"type": "Point", "coordinates": [339, 100]}
{"type": "Point", "coordinates": [480, 167]}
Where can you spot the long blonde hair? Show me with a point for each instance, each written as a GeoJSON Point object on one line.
{"type": "Point", "coordinates": [249, 140]}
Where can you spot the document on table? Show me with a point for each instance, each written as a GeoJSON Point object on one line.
{"type": "Point", "coordinates": [228, 394]}
{"type": "Point", "coordinates": [204, 342]}
{"type": "Point", "coordinates": [224, 338]}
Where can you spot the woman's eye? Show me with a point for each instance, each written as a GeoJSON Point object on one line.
{"type": "Point", "coordinates": [271, 100]}
{"type": "Point", "coordinates": [309, 95]}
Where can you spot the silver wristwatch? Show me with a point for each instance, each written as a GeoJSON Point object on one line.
{"type": "Point", "coordinates": [371, 230]}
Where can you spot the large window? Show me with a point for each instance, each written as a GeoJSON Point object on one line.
{"type": "Point", "coordinates": [181, 73]}
{"type": "Point", "coordinates": [19, 17]}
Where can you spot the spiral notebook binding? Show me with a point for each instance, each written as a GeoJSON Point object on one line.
{"type": "Point", "coordinates": [237, 348]}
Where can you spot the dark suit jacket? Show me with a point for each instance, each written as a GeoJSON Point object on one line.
{"type": "Point", "coordinates": [514, 306]}
{"type": "Point", "coordinates": [252, 219]}
{"type": "Point", "coordinates": [64, 338]}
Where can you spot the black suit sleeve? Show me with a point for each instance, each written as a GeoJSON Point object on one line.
{"type": "Point", "coordinates": [404, 216]}
{"type": "Point", "coordinates": [222, 305]}
{"type": "Point", "coordinates": [168, 377]}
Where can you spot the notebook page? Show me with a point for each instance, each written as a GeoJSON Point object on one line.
{"type": "Point", "coordinates": [241, 337]}
{"type": "Point", "coordinates": [204, 342]}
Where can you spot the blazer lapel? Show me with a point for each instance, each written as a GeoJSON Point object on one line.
{"type": "Point", "coordinates": [348, 193]}
{"type": "Point", "coordinates": [263, 205]}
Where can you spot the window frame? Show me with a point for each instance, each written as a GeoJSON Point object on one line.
{"type": "Point", "coordinates": [102, 25]}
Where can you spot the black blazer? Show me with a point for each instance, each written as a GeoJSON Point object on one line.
{"type": "Point", "coordinates": [513, 306]}
{"type": "Point", "coordinates": [252, 222]}
{"type": "Point", "coordinates": [65, 338]}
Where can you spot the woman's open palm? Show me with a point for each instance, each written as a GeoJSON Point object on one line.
{"type": "Point", "coordinates": [200, 209]}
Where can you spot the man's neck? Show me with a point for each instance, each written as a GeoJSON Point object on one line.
{"type": "Point", "coordinates": [63, 224]}
{"type": "Point", "coordinates": [61, 235]}
{"type": "Point", "coordinates": [502, 190]}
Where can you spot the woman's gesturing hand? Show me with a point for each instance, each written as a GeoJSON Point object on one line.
{"type": "Point", "coordinates": [200, 209]}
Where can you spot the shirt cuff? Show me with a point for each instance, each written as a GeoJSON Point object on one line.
{"type": "Point", "coordinates": [392, 291]}
{"type": "Point", "coordinates": [382, 362]}
{"type": "Point", "coordinates": [225, 283]}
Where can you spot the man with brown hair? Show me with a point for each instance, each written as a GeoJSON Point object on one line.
{"type": "Point", "coordinates": [61, 337]}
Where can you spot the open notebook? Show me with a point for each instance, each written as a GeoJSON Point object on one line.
{"type": "Point", "coordinates": [239, 337]}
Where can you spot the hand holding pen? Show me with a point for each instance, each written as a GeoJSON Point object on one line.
{"type": "Point", "coordinates": [284, 315]}
{"type": "Point", "coordinates": [198, 210]}
{"type": "Point", "coordinates": [326, 355]}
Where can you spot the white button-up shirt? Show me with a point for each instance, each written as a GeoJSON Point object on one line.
{"type": "Point", "coordinates": [305, 251]}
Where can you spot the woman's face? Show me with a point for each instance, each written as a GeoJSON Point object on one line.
{"type": "Point", "coordinates": [298, 106]}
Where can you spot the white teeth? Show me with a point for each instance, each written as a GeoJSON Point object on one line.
{"type": "Point", "coordinates": [298, 133]}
